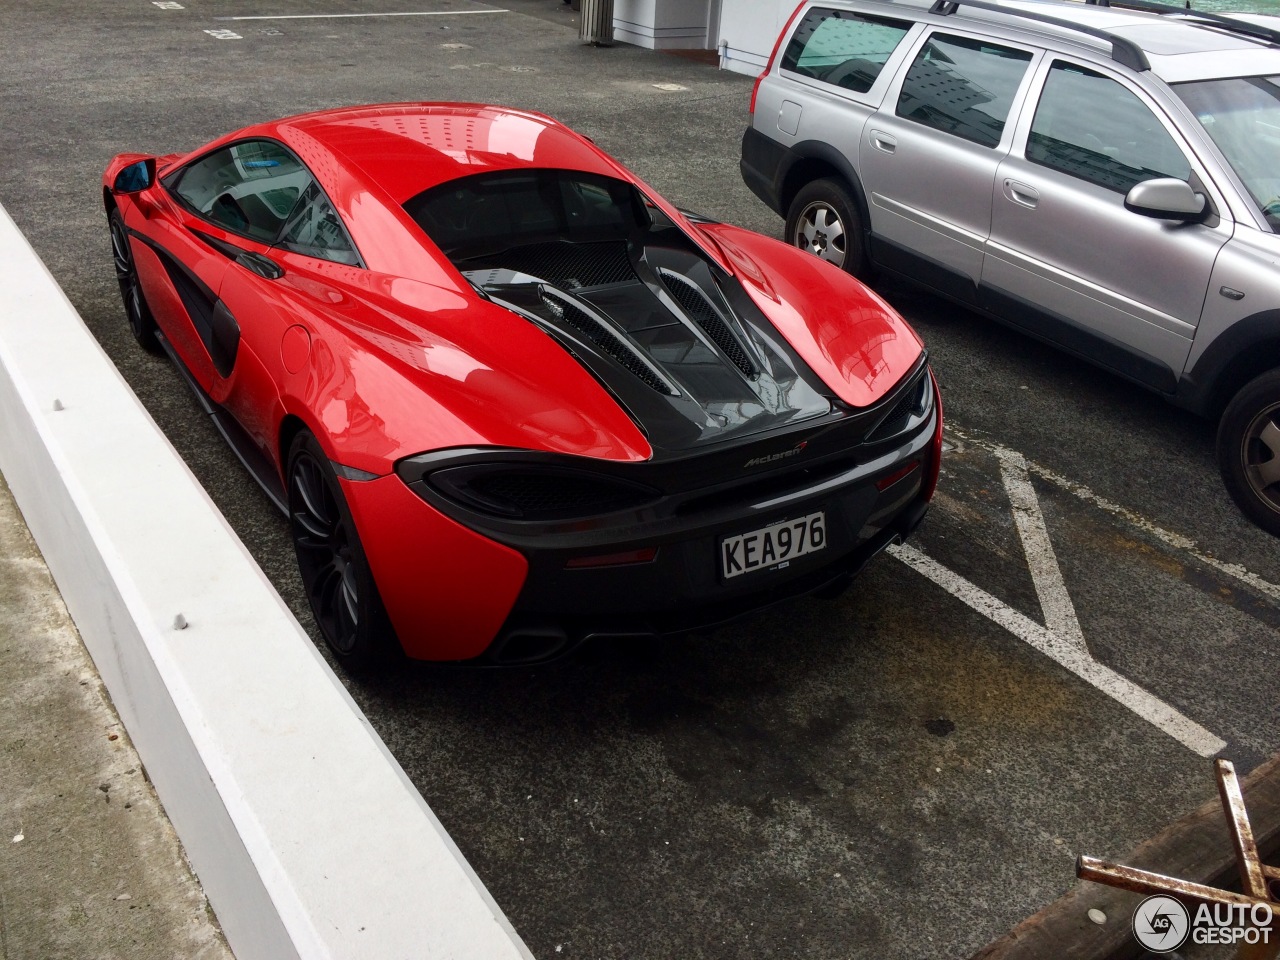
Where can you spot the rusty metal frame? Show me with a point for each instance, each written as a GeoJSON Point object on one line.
{"type": "Point", "coordinates": [1260, 882]}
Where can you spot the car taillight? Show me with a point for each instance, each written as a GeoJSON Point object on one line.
{"type": "Point", "coordinates": [777, 45]}
{"type": "Point", "coordinates": [931, 481]}
{"type": "Point", "coordinates": [538, 492]}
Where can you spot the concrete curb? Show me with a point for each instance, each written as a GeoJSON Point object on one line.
{"type": "Point", "coordinates": [308, 838]}
{"type": "Point", "coordinates": [1196, 848]}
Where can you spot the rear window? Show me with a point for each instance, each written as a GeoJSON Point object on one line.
{"type": "Point", "coordinates": [847, 50]}
{"type": "Point", "coordinates": [490, 212]}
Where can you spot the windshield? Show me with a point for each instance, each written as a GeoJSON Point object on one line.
{"type": "Point", "coordinates": [1242, 116]}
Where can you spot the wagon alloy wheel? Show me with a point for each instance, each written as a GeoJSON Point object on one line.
{"type": "Point", "coordinates": [823, 220]}
{"type": "Point", "coordinates": [821, 233]}
{"type": "Point", "coordinates": [1249, 450]}
{"type": "Point", "coordinates": [141, 324]}
{"type": "Point", "coordinates": [334, 572]}
{"type": "Point", "coordinates": [1261, 455]}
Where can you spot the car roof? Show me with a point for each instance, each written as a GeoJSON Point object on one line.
{"type": "Point", "coordinates": [407, 148]}
{"type": "Point", "coordinates": [1176, 47]}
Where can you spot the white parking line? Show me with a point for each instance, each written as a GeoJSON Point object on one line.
{"type": "Point", "coordinates": [1059, 611]}
{"type": "Point", "coordinates": [349, 16]}
{"type": "Point", "coordinates": [1175, 540]}
{"type": "Point", "coordinates": [1061, 638]}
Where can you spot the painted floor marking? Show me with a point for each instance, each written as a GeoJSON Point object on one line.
{"type": "Point", "coordinates": [350, 16]}
{"type": "Point", "coordinates": [1061, 638]}
{"type": "Point", "coordinates": [1175, 540]}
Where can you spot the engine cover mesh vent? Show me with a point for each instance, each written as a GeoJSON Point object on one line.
{"type": "Point", "coordinates": [695, 303]}
{"type": "Point", "coordinates": [608, 341]}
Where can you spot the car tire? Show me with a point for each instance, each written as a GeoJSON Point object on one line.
{"type": "Point", "coordinates": [141, 323]}
{"type": "Point", "coordinates": [823, 219]}
{"type": "Point", "coordinates": [335, 572]}
{"type": "Point", "coordinates": [1249, 450]}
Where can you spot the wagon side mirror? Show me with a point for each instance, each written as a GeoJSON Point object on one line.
{"type": "Point", "coordinates": [1166, 198]}
{"type": "Point", "coordinates": [135, 177]}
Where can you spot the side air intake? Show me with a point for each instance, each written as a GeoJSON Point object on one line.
{"type": "Point", "coordinates": [913, 403]}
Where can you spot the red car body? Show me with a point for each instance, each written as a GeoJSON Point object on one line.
{"type": "Point", "coordinates": [402, 354]}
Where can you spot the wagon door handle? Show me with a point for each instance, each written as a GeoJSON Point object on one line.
{"type": "Point", "coordinates": [1021, 194]}
{"type": "Point", "coordinates": [882, 141]}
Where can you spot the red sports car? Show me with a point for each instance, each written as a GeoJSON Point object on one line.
{"type": "Point", "coordinates": [508, 396]}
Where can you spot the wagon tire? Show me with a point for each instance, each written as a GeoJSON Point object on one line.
{"type": "Point", "coordinates": [1249, 450]}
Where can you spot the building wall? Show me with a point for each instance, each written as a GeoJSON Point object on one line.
{"type": "Point", "coordinates": [748, 30]}
{"type": "Point", "coordinates": [666, 24]}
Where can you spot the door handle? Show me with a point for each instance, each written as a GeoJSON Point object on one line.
{"type": "Point", "coordinates": [1021, 194]}
{"type": "Point", "coordinates": [882, 141]}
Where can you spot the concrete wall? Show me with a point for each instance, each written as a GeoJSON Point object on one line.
{"type": "Point", "coordinates": [307, 836]}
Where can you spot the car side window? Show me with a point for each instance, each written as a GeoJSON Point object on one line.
{"type": "Point", "coordinates": [315, 230]}
{"type": "Point", "coordinates": [261, 190]}
{"type": "Point", "coordinates": [1090, 126]}
{"type": "Point", "coordinates": [845, 49]}
{"type": "Point", "coordinates": [964, 87]}
{"type": "Point", "coordinates": [249, 187]}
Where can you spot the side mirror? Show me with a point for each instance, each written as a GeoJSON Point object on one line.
{"type": "Point", "coordinates": [1166, 198]}
{"type": "Point", "coordinates": [135, 177]}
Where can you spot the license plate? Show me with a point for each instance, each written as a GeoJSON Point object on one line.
{"type": "Point", "coordinates": [772, 547]}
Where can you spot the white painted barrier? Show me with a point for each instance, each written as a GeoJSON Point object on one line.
{"type": "Point", "coordinates": [307, 836]}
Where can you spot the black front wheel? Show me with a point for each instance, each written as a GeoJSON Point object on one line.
{"type": "Point", "coordinates": [1249, 450]}
{"type": "Point", "coordinates": [141, 323]}
{"type": "Point", "coordinates": [335, 573]}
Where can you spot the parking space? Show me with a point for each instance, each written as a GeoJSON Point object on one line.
{"type": "Point", "coordinates": [904, 771]}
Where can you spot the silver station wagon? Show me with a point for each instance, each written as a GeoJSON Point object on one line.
{"type": "Point", "coordinates": [1106, 179]}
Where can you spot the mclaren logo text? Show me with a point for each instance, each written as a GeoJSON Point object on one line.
{"type": "Point", "coordinates": [773, 457]}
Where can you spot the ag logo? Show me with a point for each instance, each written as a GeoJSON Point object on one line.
{"type": "Point", "coordinates": [1161, 924]}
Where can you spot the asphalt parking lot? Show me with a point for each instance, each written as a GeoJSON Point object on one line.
{"type": "Point", "coordinates": [906, 771]}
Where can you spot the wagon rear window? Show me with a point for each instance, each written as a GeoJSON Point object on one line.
{"type": "Point", "coordinates": [844, 49]}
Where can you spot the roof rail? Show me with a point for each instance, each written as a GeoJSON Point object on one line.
{"type": "Point", "coordinates": [1123, 51]}
{"type": "Point", "coordinates": [1230, 24]}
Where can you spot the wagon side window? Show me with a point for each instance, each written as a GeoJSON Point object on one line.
{"type": "Point", "coordinates": [963, 87]}
{"type": "Point", "coordinates": [1091, 127]}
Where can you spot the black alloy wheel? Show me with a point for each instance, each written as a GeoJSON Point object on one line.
{"type": "Point", "coordinates": [141, 323]}
{"type": "Point", "coordinates": [335, 573]}
{"type": "Point", "coordinates": [823, 220]}
{"type": "Point", "coordinates": [1249, 450]}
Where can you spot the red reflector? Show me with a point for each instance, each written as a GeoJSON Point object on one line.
{"type": "Point", "coordinates": [884, 483]}
{"type": "Point", "coordinates": [613, 559]}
